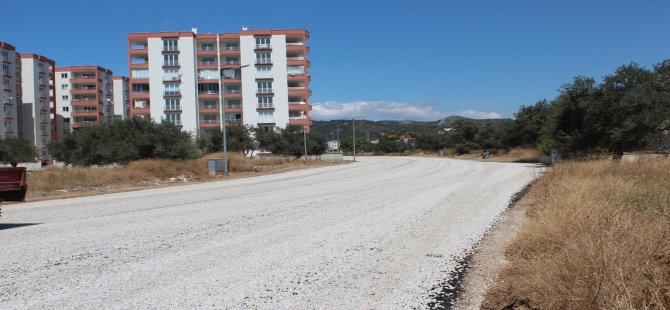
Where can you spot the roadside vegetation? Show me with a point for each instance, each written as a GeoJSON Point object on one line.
{"type": "Point", "coordinates": [15, 150]}
{"type": "Point", "coordinates": [629, 111]}
{"type": "Point", "coordinates": [598, 236]}
{"type": "Point", "coordinates": [148, 172]}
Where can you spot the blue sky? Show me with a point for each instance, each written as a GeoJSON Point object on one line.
{"type": "Point", "coordinates": [397, 59]}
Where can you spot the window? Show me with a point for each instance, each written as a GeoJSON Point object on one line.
{"type": "Point", "coordinates": [263, 58]}
{"type": "Point", "coordinates": [66, 109]}
{"type": "Point", "coordinates": [173, 117]}
{"type": "Point", "coordinates": [235, 104]}
{"type": "Point", "coordinates": [265, 102]}
{"type": "Point", "coordinates": [208, 88]}
{"type": "Point", "coordinates": [265, 117]}
{"type": "Point", "coordinates": [208, 74]}
{"type": "Point", "coordinates": [262, 42]}
{"type": "Point", "coordinates": [232, 61]}
{"type": "Point", "coordinates": [208, 61]}
{"type": "Point", "coordinates": [207, 46]}
{"type": "Point", "coordinates": [5, 69]}
{"type": "Point", "coordinates": [231, 46]}
{"type": "Point", "coordinates": [66, 98]}
{"type": "Point", "coordinates": [170, 45]}
{"type": "Point", "coordinates": [40, 65]}
{"type": "Point", "coordinates": [171, 75]}
{"type": "Point", "coordinates": [63, 75]}
{"type": "Point", "coordinates": [233, 89]}
{"type": "Point", "coordinates": [171, 88]}
{"type": "Point", "coordinates": [170, 60]}
{"type": "Point", "coordinates": [64, 86]}
{"type": "Point", "coordinates": [5, 55]}
{"type": "Point", "coordinates": [140, 73]}
{"type": "Point", "coordinates": [264, 87]}
{"type": "Point", "coordinates": [263, 72]}
{"type": "Point", "coordinates": [140, 88]}
{"type": "Point", "coordinates": [295, 69]}
{"type": "Point", "coordinates": [209, 104]}
{"type": "Point", "coordinates": [66, 120]}
{"type": "Point", "coordinates": [209, 118]}
{"type": "Point", "coordinates": [172, 104]}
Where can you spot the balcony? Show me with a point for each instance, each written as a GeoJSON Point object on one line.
{"type": "Point", "coordinates": [263, 61]}
{"type": "Point", "coordinates": [139, 47]}
{"type": "Point", "coordinates": [84, 91]}
{"type": "Point", "coordinates": [171, 64]}
{"type": "Point", "coordinates": [265, 121]}
{"type": "Point", "coordinates": [230, 50]}
{"type": "Point", "coordinates": [264, 75]}
{"type": "Point", "coordinates": [209, 94]}
{"type": "Point", "coordinates": [83, 79]}
{"type": "Point", "coordinates": [171, 93]}
{"type": "Point", "coordinates": [170, 49]}
{"type": "Point", "coordinates": [265, 106]}
{"type": "Point", "coordinates": [299, 77]}
{"type": "Point", "coordinates": [209, 109]}
{"type": "Point", "coordinates": [231, 63]}
{"type": "Point", "coordinates": [171, 78]}
{"type": "Point", "coordinates": [173, 108]}
{"type": "Point", "coordinates": [83, 113]}
{"type": "Point", "coordinates": [264, 91]}
{"type": "Point", "coordinates": [85, 102]}
{"type": "Point", "coordinates": [263, 46]}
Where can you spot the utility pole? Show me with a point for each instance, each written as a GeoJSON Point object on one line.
{"type": "Point", "coordinates": [353, 124]}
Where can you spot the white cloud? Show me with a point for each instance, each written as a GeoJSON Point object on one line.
{"type": "Point", "coordinates": [478, 114]}
{"type": "Point", "coordinates": [388, 110]}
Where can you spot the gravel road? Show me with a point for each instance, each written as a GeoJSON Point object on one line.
{"type": "Point", "coordinates": [380, 233]}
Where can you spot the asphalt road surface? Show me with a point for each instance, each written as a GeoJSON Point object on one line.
{"type": "Point", "coordinates": [380, 233]}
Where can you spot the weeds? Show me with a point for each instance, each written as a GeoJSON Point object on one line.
{"type": "Point", "coordinates": [597, 237]}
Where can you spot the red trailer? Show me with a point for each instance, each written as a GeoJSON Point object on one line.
{"type": "Point", "coordinates": [13, 184]}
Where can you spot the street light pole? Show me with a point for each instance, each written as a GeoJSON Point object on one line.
{"type": "Point", "coordinates": [353, 125]}
{"type": "Point", "coordinates": [304, 135]}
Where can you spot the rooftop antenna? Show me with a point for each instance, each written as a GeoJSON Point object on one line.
{"type": "Point", "coordinates": [245, 28]}
{"type": "Point", "coordinates": [194, 30]}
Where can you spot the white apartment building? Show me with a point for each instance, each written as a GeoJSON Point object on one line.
{"type": "Point", "coordinates": [11, 91]}
{"type": "Point", "coordinates": [85, 96]}
{"type": "Point", "coordinates": [177, 76]}
{"type": "Point", "coordinates": [121, 97]}
{"type": "Point", "coordinates": [37, 74]}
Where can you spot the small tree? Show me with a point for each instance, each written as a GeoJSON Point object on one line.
{"type": "Point", "coordinates": [15, 150]}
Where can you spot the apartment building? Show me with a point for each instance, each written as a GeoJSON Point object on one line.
{"type": "Point", "coordinates": [85, 96]}
{"type": "Point", "coordinates": [258, 77]}
{"type": "Point", "coordinates": [11, 91]}
{"type": "Point", "coordinates": [121, 97]}
{"type": "Point", "coordinates": [37, 80]}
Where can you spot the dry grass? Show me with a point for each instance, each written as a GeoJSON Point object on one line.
{"type": "Point", "coordinates": [53, 179]}
{"type": "Point", "coordinates": [597, 237]}
{"type": "Point", "coordinates": [524, 155]}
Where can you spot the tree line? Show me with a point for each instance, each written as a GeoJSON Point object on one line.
{"type": "Point", "coordinates": [628, 111]}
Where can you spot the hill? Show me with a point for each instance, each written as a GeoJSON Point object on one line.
{"type": "Point", "coordinates": [374, 129]}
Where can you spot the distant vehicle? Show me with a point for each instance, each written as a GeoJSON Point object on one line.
{"type": "Point", "coordinates": [13, 184]}
{"type": "Point", "coordinates": [486, 154]}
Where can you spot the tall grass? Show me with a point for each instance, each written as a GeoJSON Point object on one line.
{"type": "Point", "coordinates": [597, 237]}
{"type": "Point", "coordinates": [54, 179]}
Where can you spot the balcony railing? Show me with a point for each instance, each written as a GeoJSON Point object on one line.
{"type": "Point", "coordinates": [267, 75]}
{"type": "Point", "coordinates": [266, 120]}
{"type": "Point", "coordinates": [171, 78]}
{"type": "Point", "coordinates": [232, 62]}
{"type": "Point", "coordinates": [295, 43]}
{"type": "Point", "coordinates": [209, 121]}
{"type": "Point", "coordinates": [296, 88]}
{"type": "Point", "coordinates": [208, 92]}
{"type": "Point", "coordinates": [173, 108]}
{"type": "Point", "coordinates": [207, 49]}
{"type": "Point", "coordinates": [207, 63]}
{"type": "Point", "coordinates": [263, 61]}
{"type": "Point", "coordinates": [295, 58]}
{"type": "Point", "coordinates": [297, 117]}
{"type": "Point", "coordinates": [231, 48]}
{"type": "Point", "coordinates": [233, 106]}
{"type": "Point", "coordinates": [232, 91]}
{"type": "Point", "coordinates": [209, 107]}
{"type": "Point", "coordinates": [263, 46]}
{"type": "Point", "coordinates": [234, 77]}
{"type": "Point", "coordinates": [140, 91]}
{"type": "Point", "coordinates": [170, 63]}
{"type": "Point", "coordinates": [170, 48]}
{"type": "Point", "coordinates": [172, 93]}
{"type": "Point", "coordinates": [265, 106]}
{"type": "Point", "coordinates": [136, 61]}
{"type": "Point", "coordinates": [296, 102]}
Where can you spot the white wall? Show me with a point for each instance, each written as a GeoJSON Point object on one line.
{"type": "Point", "coordinates": [60, 103]}
{"type": "Point", "coordinates": [155, 47]}
{"type": "Point", "coordinates": [249, 101]}
{"type": "Point", "coordinates": [120, 98]}
{"type": "Point", "coordinates": [279, 84]}
{"type": "Point", "coordinates": [188, 87]}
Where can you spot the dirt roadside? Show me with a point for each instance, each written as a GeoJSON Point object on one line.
{"type": "Point", "coordinates": [489, 257]}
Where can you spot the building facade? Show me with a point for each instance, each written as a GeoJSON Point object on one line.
{"type": "Point", "coordinates": [121, 97]}
{"type": "Point", "coordinates": [85, 96]}
{"type": "Point", "coordinates": [11, 91]}
{"type": "Point", "coordinates": [255, 77]}
{"type": "Point", "coordinates": [37, 80]}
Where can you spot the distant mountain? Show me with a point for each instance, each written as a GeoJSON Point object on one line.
{"type": "Point", "coordinates": [374, 129]}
